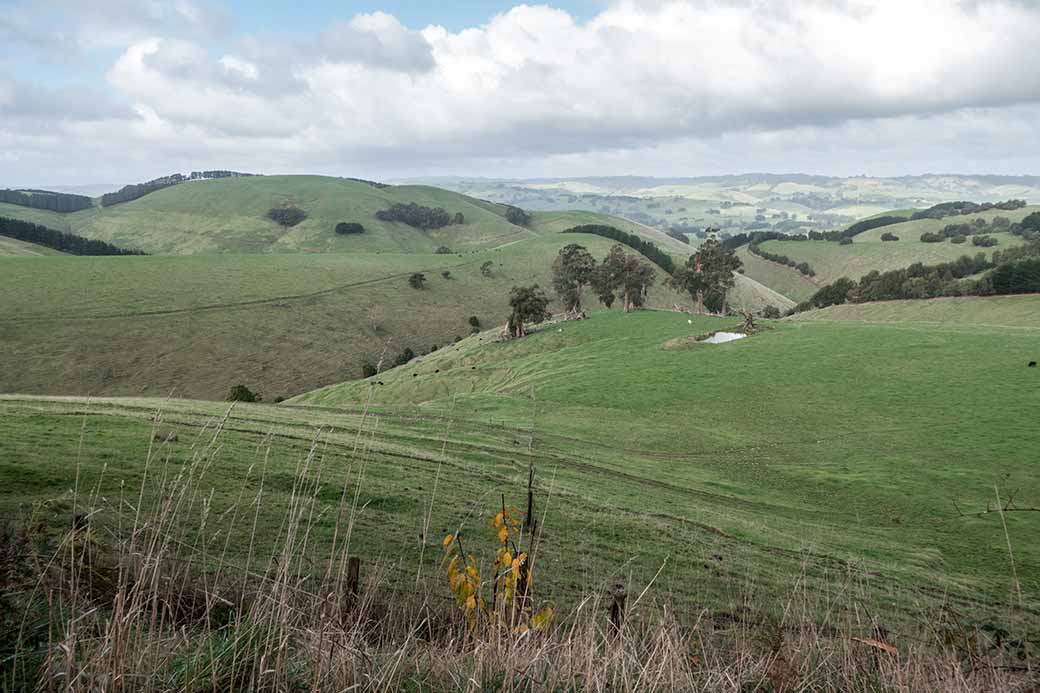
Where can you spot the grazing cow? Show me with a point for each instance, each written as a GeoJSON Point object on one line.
{"type": "Point", "coordinates": [1032, 364]}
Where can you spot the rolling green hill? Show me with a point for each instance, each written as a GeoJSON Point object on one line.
{"type": "Point", "coordinates": [750, 464]}
{"type": "Point", "coordinates": [787, 281]}
{"type": "Point", "coordinates": [229, 215]}
{"type": "Point", "coordinates": [281, 323]}
{"type": "Point", "coordinates": [1018, 312]}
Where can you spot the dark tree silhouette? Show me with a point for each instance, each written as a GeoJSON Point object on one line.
{"type": "Point", "coordinates": [625, 276]}
{"type": "Point", "coordinates": [572, 272]}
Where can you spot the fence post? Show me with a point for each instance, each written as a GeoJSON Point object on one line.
{"type": "Point", "coordinates": [353, 575]}
{"type": "Point", "coordinates": [617, 609]}
{"type": "Point", "coordinates": [529, 520]}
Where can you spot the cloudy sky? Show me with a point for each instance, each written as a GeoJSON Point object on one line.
{"type": "Point", "coordinates": [115, 91]}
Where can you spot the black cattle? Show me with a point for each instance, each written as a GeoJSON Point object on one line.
{"type": "Point", "coordinates": [1032, 364]}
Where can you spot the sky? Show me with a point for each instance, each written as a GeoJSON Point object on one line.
{"type": "Point", "coordinates": [120, 91]}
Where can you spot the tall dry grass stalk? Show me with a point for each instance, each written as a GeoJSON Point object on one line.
{"type": "Point", "coordinates": [140, 595]}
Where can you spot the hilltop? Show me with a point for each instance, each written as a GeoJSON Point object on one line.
{"type": "Point", "coordinates": [230, 215]}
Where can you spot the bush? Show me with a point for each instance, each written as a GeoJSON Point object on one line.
{"type": "Point", "coordinates": [404, 357]}
{"type": "Point", "coordinates": [485, 269]}
{"type": "Point", "coordinates": [845, 240]}
{"type": "Point", "coordinates": [241, 393]}
{"type": "Point", "coordinates": [368, 370]}
{"type": "Point", "coordinates": [417, 280]}
{"type": "Point", "coordinates": [474, 321]}
{"type": "Point", "coordinates": [929, 237]}
{"type": "Point", "coordinates": [287, 216]}
{"type": "Point", "coordinates": [446, 274]}
{"type": "Point", "coordinates": [347, 227]}
{"type": "Point", "coordinates": [442, 250]}
{"type": "Point", "coordinates": [889, 236]}
{"type": "Point", "coordinates": [515, 215]}
{"type": "Point", "coordinates": [771, 313]}
{"type": "Point", "coordinates": [958, 239]}
{"type": "Point", "coordinates": [983, 241]}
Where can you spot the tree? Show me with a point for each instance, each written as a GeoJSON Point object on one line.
{"type": "Point", "coordinates": [530, 305]}
{"type": "Point", "coordinates": [368, 370]}
{"type": "Point", "coordinates": [417, 280]}
{"type": "Point", "coordinates": [771, 312]}
{"type": "Point", "coordinates": [485, 269]}
{"type": "Point", "coordinates": [515, 215]}
{"type": "Point", "coordinates": [708, 274]}
{"type": "Point", "coordinates": [241, 393]}
{"type": "Point", "coordinates": [348, 227]}
{"type": "Point", "coordinates": [287, 216]}
{"type": "Point", "coordinates": [572, 272]}
{"type": "Point", "coordinates": [624, 275]}
{"type": "Point", "coordinates": [404, 357]}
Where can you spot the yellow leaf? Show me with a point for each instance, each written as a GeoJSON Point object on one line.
{"type": "Point", "coordinates": [471, 603]}
{"type": "Point", "coordinates": [503, 534]}
{"type": "Point", "coordinates": [447, 540]}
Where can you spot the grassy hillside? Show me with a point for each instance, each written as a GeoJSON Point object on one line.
{"type": "Point", "coordinates": [747, 465]}
{"type": "Point", "coordinates": [1018, 312]}
{"type": "Point", "coordinates": [11, 247]}
{"type": "Point", "coordinates": [556, 222]}
{"type": "Point", "coordinates": [229, 215]}
{"type": "Point", "coordinates": [281, 324]}
{"type": "Point", "coordinates": [867, 473]}
{"type": "Point", "coordinates": [785, 280]}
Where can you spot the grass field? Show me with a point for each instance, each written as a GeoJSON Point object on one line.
{"type": "Point", "coordinates": [832, 261]}
{"type": "Point", "coordinates": [1017, 312]}
{"type": "Point", "coordinates": [785, 280]}
{"type": "Point", "coordinates": [280, 324]}
{"type": "Point", "coordinates": [751, 464]}
{"type": "Point", "coordinates": [10, 247]}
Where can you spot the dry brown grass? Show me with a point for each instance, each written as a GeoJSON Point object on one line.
{"type": "Point", "coordinates": [134, 598]}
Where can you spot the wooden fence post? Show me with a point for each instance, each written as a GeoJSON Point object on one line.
{"type": "Point", "coordinates": [529, 520]}
{"type": "Point", "coordinates": [617, 609]}
{"type": "Point", "coordinates": [354, 575]}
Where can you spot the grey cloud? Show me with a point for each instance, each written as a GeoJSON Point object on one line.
{"type": "Point", "coordinates": [42, 105]}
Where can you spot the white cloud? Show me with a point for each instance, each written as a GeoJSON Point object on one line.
{"type": "Point", "coordinates": [655, 86]}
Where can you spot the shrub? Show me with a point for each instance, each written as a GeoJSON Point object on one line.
{"type": "Point", "coordinates": [417, 280]}
{"type": "Point", "coordinates": [241, 393]}
{"type": "Point", "coordinates": [442, 250]}
{"type": "Point", "coordinates": [404, 357]}
{"type": "Point", "coordinates": [845, 240]}
{"type": "Point", "coordinates": [485, 269]}
{"type": "Point", "coordinates": [348, 227]}
{"type": "Point", "coordinates": [368, 370]}
{"type": "Point", "coordinates": [446, 274]}
{"type": "Point", "coordinates": [889, 236]}
{"type": "Point", "coordinates": [515, 215]}
{"type": "Point", "coordinates": [474, 321]}
{"type": "Point", "coordinates": [958, 239]}
{"type": "Point", "coordinates": [771, 313]}
{"type": "Point", "coordinates": [458, 219]}
{"type": "Point", "coordinates": [287, 216]}
{"type": "Point", "coordinates": [983, 241]}
{"type": "Point", "coordinates": [929, 237]}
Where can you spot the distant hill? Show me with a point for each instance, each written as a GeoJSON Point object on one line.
{"type": "Point", "coordinates": [230, 215]}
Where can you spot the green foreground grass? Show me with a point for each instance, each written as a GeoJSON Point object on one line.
{"type": "Point", "coordinates": [836, 456]}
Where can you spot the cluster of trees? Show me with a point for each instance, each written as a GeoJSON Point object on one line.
{"type": "Point", "coordinates": [646, 248]}
{"type": "Point", "coordinates": [958, 233]}
{"type": "Point", "coordinates": [802, 267]}
{"type": "Point", "coordinates": [1016, 270]}
{"type": "Point", "coordinates": [132, 192]}
{"type": "Point", "coordinates": [529, 306]}
{"type": "Point", "coordinates": [45, 199]}
{"type": "Point", "coordinates": [58, 240]}
{"type": "Point", "coordinates": [209, 175]}
{"type": "Point", "coordinates": [348, 227]}
{"type": "Point", "coordinates": [286, 216]}
{"type": "Point", "coordinates": [870, 224]}
{"type": "Point", "coordinates": [708, 275]}
{"type": "Point", "coordinates": [949, 209]}
{"type": "Point", "coordinates": [515, 215]}
{"type": "Point", "coordinates": [678, 235]}
{"type": "Point", "coordinates": [373, 183]}
{"type": "Point", "coordinates": [418, 216]}
{"type": "Point", "coordinates": [620, 275]}
{"type": "Point", "coordinates": [983, 241]}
